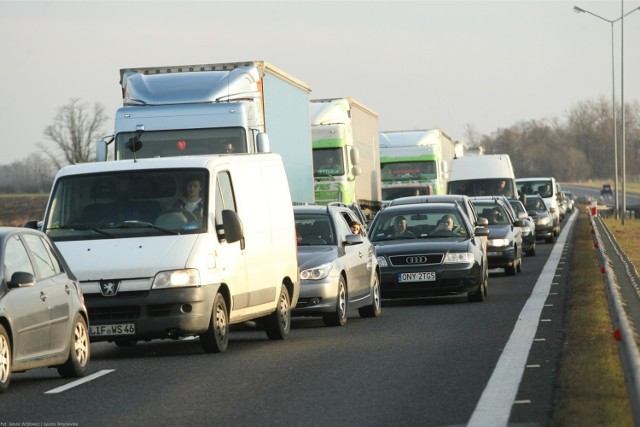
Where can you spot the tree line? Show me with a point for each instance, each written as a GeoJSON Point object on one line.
{"type": "Point", "coordinates": [578, 147]}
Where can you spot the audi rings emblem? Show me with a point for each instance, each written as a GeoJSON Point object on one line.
{"type": "Point", "coordinates": [416, 260]}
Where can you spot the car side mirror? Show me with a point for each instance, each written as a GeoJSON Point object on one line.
{"type": "Point", "coordinates": [21, 279]}
{"type": "Point", "coordinates": [481, 231]}
{"type": "Point", "coordinates": [353, 239]}
{"type": "Point", "coordinates": [482, 222]}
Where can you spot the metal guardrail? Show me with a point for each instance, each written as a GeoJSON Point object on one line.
{"type": "Point", "coordinates": [622, 285]}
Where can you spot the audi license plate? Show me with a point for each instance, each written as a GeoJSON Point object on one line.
{"type": "Point", "coordinates": [428, 276]}
{"type": "Point", "coordinates": [119, 329]}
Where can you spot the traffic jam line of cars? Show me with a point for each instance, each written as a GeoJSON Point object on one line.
{"type": "Point", "coordinates": [419, 246]}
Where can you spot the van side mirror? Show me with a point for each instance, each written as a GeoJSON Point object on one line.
{"type": "Point", "coordinates": [233, 229]}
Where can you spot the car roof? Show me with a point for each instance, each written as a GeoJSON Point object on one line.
{"type": "Point", "coordinates": [434, 198]}
{"type": "Point", "coordinates": [320, 209]}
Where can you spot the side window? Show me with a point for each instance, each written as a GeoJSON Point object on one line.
{"type": "Point", "coordinates": [224, 199]}
{"type": "Point", "coordinates": [16, 258]}
{"type": "Point", "coordinates": [46, 264]}
{"type": "Point", "coordinates": [343, 226]}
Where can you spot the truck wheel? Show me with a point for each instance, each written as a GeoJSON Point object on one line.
{"type": "Point", "coordinates": [375, 309]}
{"type": "Point", "coordinates": [216, 339]}
{"type": "Point", "coordinates": [339, 316]}
{"type": "Point", "coordinates": [5, 360]}
{"type": "Point", "coordinates": [278, 323]}
{"type": "Point", "coordinates": [79, 351]}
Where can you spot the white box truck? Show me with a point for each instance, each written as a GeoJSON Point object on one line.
{"type": "Point", "coordinates": [346, 155]}
{"type": "Point", "coordinates": [154, 264]}
{"type": "Point", "coordinates": [215, 108]}
{"type": "Point", "coordinates": [415, 162]}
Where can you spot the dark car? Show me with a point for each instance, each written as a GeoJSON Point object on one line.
{"type": "Point", "coordinates": [43, 319]}
{"type": "Point", "coordinates": [429, 249]}
{"type": "Point", "coordinates": [606, 189]}
{"type": "Point", "coordinates": [529, 230]}
{"type": "Point", "coordinates": [504, 245]}
{"type": "Point", "coordinates": [338, 269]}
{"type": "Point", "coordinates": [542, 217]}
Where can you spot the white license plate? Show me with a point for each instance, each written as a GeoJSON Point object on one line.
{"type": "Point", "coordinates": [120, 329]}
{"type": "Point", "coordinates": [428, 276]}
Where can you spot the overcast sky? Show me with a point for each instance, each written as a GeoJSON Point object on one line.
{"type": "Point", "coordinates": [419, 64]}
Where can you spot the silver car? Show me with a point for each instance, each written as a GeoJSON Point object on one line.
{"type": "Point", "coordinates": [338, 270]}
{"type": "Point", "coordinates": [43, 319]}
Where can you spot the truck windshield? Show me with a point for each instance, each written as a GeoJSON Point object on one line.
{"type": "Point", "coordinates": [328, 162]}
{"type": "Point", "coordinates": [181, 142]}
{"type": "Point", "coordinates": [128, 204]}
{"type": "Point", "coordinates": [408, 171]}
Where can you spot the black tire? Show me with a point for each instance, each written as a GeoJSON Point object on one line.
{"type": "Point", "coordinates": [5, 360]}
{"type": "Point", "coordinates": [511, 270]}
{"type": "Point", "coordinates": [481, 294]}
{"type": "Point", "coordinates": [79, 351]}
{"type": "Point", "coordinates": [519, 267]}
{"type": "Point", "coordinates": [375, 308]}
{"type": "Point", "coordinates": [339, 316]}
{"type": "Point", "coordinates": [216, 339]}
{"type": "Point", "coordinates": [550, 239]}
{"type": "Point", "coordinates": [532, 251]}
{"type": "Point", "coordinates": [278, 324]}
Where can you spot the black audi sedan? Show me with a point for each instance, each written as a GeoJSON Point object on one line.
{"type": "Point", "coordinates": [429, 250]}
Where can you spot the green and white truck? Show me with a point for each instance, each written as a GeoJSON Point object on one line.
{"type": "Point", "coordinates": [346, 159]}
{"type": "Point", "coordinates": [415, 162]}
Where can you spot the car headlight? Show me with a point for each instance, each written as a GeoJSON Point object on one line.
{"type": "Point", "coordinates": [382, 262]}
{"type": "Point", "coordinates": [176, 279]}
{"type": "Point", "coordinates": [544, 220]}
{"type": "Point", "coordinates": [498, 243]}
{"type": "Point", "coordinates": [458, 257]}
{"type": "Point", "coordinates": [316, 273]}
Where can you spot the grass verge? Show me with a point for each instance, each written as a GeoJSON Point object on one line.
{"type": "Point", "coordinates": [590, 389]}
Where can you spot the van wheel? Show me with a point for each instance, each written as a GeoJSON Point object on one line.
{"type": "Point", "coordinates": [216, 339]}
{"type": "Point", "coordinates": [79, 351]}
{"type": "Point", "coordinates": [5, 360]}
{"type": "Point", "coordinates": [375, 309]}
{"type": "Point", "coordinates": [339, 316]}
{"type": "Point", "coordinates": [278, 323]}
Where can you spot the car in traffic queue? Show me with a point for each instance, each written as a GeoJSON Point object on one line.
{"type": "Point", "coordinates": [338, 269]}
{"type": "Point", "coordinates": [542, 218]}
{"type": "Point", "coordinates": [43, 319]}
{"type": "Point", "coordinates": [529, 230]}
{"type": "Point", "coordinates": [570, 200]}
{"type": "Point", "coordinates": [429, 249]}
{"type": "Point", "coordinates": [504, 245]}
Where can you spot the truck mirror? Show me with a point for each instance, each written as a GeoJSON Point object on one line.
{"type": "Point", "coordinates": [101, 150]}
{"type": "Point", "coordinates": [356, 170]}
{"type": "Point", "coordinates": [232, 224]}
{"type": "Point", "coordinates": [355, 157]}
{"type": "Point", "coordinates": [263, 143]}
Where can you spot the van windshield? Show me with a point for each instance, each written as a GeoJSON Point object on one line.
{"type": "Point", "coordinates": [543, 187]}
{"type": "Point", "coordinates": [128, 204]}
{"type": "Point", "coordinates": [180, 142]}
{"type": "Point", "coordinates": [483, 187]}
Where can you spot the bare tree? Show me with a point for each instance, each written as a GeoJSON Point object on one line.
{"type": "Point", "coordinates": [74, 132]}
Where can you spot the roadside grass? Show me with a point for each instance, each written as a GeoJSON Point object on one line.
{"type": "Point", "coordinates": [590, 388]}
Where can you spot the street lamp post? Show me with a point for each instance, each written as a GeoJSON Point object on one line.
{"type": "Point", "coordinates": [613, 101]}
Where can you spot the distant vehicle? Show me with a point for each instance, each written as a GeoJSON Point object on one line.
{"type": "Point", "coordinates": [606, 189]}
{"type": "Point", "coordinates": [339, 270]}
{"type": "Point", "coordinates": [547, 188]}
{"type": "Point", "coordinates": [542, 217]}
{"type": "Point", "coordinates": [570, 200]}
{"type": "Point", "coordinates": [43, 319]}
{"type": "Point", "coordinates": [504, 246]}
{"type": "Point", "coordinates": [430, 249]}
{"type": "Point", "coordinates": [529, 230]}
{"type": "Point", "coordinates": [483, 175]}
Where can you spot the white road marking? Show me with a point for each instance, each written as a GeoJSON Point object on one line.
{"type": "Point", "coordinates": [80, 381]}
{"type": "Point", "coordinates": [494, 407]}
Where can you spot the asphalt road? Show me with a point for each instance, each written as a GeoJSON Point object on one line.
{"type": "Point", "coordinates": [427, 362]}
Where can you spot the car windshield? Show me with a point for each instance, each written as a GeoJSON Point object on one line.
{"type": "Point", "coordinates": [128, 204]}
{"type": "Point", "coordinates": [494, 213]}
{"type": "Point", "coordinates": [535, 204]}
{"type": "Point", "coordinates": [314, 230]}
{"type": "Point", "coordinates": [541, 187]}
{"type": "Point", "coordinates": [400, 225]}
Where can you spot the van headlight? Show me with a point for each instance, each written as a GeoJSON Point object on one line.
{"type": "Point", "coordinates": [176, 279]}
{"type": "Point", "coordinates": [458, 258]}
{"type": "Point", "coordinates": [316, 273]}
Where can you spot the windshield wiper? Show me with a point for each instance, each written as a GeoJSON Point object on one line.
{"type": "Point", "coordinates": [142, 224]}
{"type": "Point", "coordinates": [82, 227]}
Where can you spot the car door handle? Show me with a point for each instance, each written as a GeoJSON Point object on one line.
{"type": "Point", "coordinates": [67, 289]}
{"type": "Point", "coordinates": [43, 296]}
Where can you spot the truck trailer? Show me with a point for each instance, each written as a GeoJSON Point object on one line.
{"type": "Point", "coordinates": [418, 160]}
{"type": "Point", "coordinates": [346, 156]}
{"type": "Point", "coordinates": [215, 109]}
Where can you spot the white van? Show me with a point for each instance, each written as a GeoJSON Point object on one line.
{"type": "Point", "coordinates": [151, 268]}
{"type": "Point", "coordinates": [548, 189]}
{"type": "Point", "coordinates": [483, 175]}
